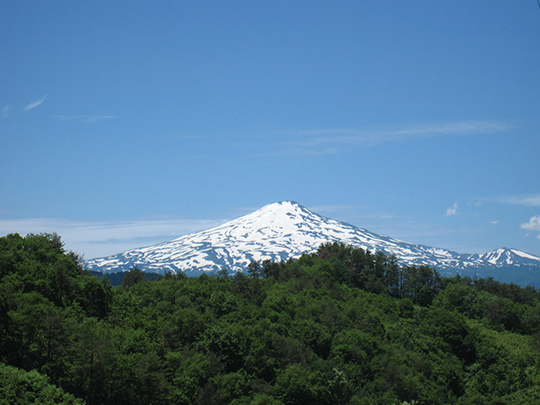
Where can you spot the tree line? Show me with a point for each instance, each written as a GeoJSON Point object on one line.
{"type": "Point", "coordinates": [339, 326]}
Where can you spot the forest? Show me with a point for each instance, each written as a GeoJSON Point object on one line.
{"type": "Point", "coordinates": [339, 326]}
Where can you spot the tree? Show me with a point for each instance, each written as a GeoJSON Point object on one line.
{"type": "Point", "coordinates": [132, 277]}
{"type": "Point", "coordinates": [254, 269]}
{"type": "Point", "coordinates": [25, 387]}
{"type": "Point", "coordinates": [95, 296]}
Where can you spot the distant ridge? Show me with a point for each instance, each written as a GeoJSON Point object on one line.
{"type": "Point", "coordinates": [284, 230]}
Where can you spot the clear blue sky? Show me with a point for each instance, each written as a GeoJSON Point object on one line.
{"type": "Point", "coordinates": [128, 123]}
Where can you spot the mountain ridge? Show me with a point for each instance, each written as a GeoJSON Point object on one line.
{"type": "Point", "coordinates": [284, 230]}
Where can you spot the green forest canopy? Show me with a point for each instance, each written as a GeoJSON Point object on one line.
{"type": "Point", "coordinates": [340, 326]}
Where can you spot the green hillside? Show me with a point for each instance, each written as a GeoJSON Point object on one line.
{"type": "Point", "coordinates": [341, 326]}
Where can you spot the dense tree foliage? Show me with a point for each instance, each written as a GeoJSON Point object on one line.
{"type": "Point", "coordinates": [21, 387]}
{"type": "Point", "coordinates": [340, 326]}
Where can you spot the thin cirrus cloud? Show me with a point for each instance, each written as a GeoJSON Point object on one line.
{"type": "Point", "coordinates": [358, 212]}
{"type": "Point", "coordinates": [83, 118]}
{"type": "Point", "coordinates": [102, 238]}
{"type": "Point", "coordinates": [529, 200]}
{"type": "Point", "coordinates": [35, 103]}
{"type": "Point", "coordinates": [328, 141]}
{"type": "Point", "coordinates": [6, 111]}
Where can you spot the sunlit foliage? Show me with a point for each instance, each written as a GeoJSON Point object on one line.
{"type": "Point", "coordinates": [340, 326]}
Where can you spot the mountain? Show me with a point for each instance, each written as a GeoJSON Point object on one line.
{"type": "Point", "coordinates": [508, 257]}
{"type": "Point", "coordinates": [284, 230]}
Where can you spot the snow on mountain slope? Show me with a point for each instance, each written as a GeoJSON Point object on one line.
{"type": "Point", "coordinates": [507, 256]}
{"type": "Point", "coordinates": [276, 232]}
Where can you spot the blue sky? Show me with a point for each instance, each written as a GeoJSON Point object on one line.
{"type": "Point", "coordinates": [124, 124]}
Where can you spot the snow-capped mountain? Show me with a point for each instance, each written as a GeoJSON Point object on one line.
{"type": "Point", "coordinates": [508, 257]}
{"type": "Point", "coordinates": [280, 231]}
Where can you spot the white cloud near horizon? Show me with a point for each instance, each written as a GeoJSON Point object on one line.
{"type": "Point", "coordinates": [103, 238]}
{"type": "Point", "coordinates": [35, 103]}
{"type": "Point", "coordinates": [533, 225]}
{"type": "Point", "coordinates": [329, 141]}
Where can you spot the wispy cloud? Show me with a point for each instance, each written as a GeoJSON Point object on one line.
{"type": "Point", "coordinates": [83, 118]}
{"type": "Point", "coordinates": [96, 118]}
{"type": "Point", "coordinates": [102, 238]}
{"type": "Point", "coordinates": [355, 214]}
{"type": "Point", "coordinates": [328, 141]}
{"type": "Point", "coordinates": [533, 225]}
{"type": "Point", "coordinates": [35, 103]}
{"type": "Point", "coordinates": [530, 200]}
{"type": "Point", "coordinates": [452, 210]}
{"type": "Point", "coordinates": [6, 111]}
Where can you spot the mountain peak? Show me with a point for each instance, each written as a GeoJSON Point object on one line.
{"type": "Point", "coordinates": [509, 256]}
{"type": "Point", "coordinates": [285, 203]}
{"type": "Point", "coordinates": [280, 231]}
{"type": "Point", "coordinates": [283, 207]}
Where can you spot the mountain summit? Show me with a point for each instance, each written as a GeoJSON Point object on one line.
{"type": "Point", "coordinates": [280, 231]}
